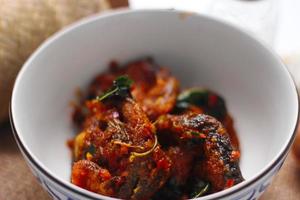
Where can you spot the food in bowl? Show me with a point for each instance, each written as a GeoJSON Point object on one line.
{"type": "Point", "coordinates": [141, 137]}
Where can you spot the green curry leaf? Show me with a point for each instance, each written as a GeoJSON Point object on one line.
{"type": "Point", "coordinates": [91, 150]}
{"type": "Point", "coordinates": [199, 189]}
{"type": "Point", "coordinates": [121, 87]}
{"type": "Point", "coordinates": [209, 101]}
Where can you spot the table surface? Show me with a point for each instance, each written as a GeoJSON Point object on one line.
{"type": "Point", "coordinates": [17, 182]}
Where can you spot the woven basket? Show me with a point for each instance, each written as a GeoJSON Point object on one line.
{"type": "Point", "coordinates": [25, 24]}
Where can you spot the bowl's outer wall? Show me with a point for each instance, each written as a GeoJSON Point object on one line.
{"type": "Point", "coordinates": [199, 51]}
{"type": "Point", "coordinates": [60, 192]}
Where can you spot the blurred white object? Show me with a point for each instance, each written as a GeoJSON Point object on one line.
{"type": "Point", "coordinates": [200, 6]}
{"type": "Point", "coordinates": [288, 32]}
{"type": "Point", "coordinates": [257, 16]}
{"type": "Point", "coordinates": [293, 64]}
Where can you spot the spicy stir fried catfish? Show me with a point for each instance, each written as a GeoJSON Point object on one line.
{"type": "Point", "coordinates": [142, 138]}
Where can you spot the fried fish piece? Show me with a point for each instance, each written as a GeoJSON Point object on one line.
{"type": "Point", "coordinates": [219, 162]}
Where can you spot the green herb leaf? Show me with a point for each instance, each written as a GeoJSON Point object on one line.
{"type": "Point", "coordinates": [195, 133]}
{"type": "Point", "coordinates": [199, 189]}
{"type": "Point", "coordinates": [91, 149]}
{"type": "Point", "coordinates": [210, 102]}
{"type": "Point", "coordinates": [202, 191]}
{"type": "Point", "coordinates": [107, 94]}
{"type": "Point", "coordinates": [196, 96]}
{"type": "Point", "coordinates": [121, 87]}
{"type": "Point", "coordinates": [123, 81]}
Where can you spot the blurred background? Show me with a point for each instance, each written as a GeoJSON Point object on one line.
{"type": "Point", "coordinates": [25, 24]}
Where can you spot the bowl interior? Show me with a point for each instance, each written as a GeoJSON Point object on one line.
{"type": "Point", "coordinates": [199, 51]}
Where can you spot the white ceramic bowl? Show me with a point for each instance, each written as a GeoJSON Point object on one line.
{"type": "Point", "coordinates": [199, 50]}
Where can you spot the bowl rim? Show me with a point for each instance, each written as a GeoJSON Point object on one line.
{"type": "Point", "coordinates": [125, 11]}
